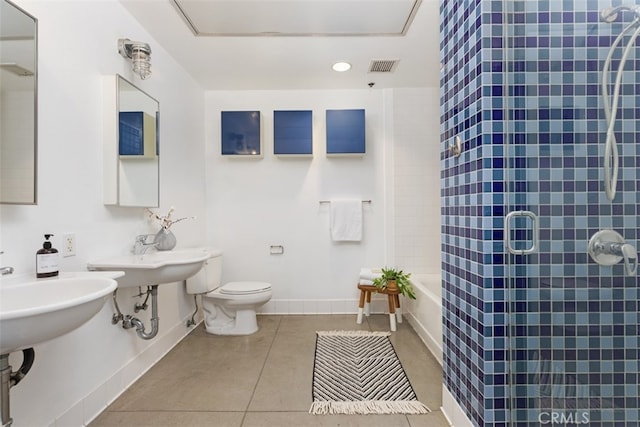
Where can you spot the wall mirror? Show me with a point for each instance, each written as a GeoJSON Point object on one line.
{"type": "Point", "coordinates": [131, 146]}
{"type": "Point", "coordinates": [18, 105]}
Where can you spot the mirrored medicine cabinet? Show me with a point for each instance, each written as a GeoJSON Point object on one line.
{"type": "Point", "coordinates": [18, 105]}
{"type": "Point", "coordinates": [131, 145]}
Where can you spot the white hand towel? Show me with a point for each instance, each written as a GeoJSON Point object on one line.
{"type": "Point", "coordinates": [346, 220]}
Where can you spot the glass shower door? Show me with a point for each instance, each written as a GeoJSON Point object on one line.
{"type": "Point", "coordinates": [573, 324]}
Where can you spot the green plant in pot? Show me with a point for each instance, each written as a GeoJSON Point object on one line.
{"type": "Point", "coordinates": [392, 278]}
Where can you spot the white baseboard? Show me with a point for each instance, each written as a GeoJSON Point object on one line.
{"type": "Point", "coordinates": [452, 411]}
{"type": "Point", "coordinates": [379, 305]}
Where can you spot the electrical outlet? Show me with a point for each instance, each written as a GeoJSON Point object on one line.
{"type": "Point", "coordinates": [69, 245]}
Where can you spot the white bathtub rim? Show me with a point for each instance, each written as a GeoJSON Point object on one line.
{"type": "Point", "coordinates": [426, 286]}
{"type": "Point", "coordinates": [429, 281]}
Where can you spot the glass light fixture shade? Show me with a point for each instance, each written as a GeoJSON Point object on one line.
{"type": "Point", "coordinates": [141, 63]}
{"type": "Point", "coordinates": [140, 55]}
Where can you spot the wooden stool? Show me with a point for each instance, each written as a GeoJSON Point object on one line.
{"type": "Point", "coordinates": [365, 302]}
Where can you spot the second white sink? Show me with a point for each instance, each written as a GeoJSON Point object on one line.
{"type": "Point", "coordinates": [153, 268]}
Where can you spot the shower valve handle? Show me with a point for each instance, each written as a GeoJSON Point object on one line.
{"type": "Point", "coordinates": [630, 256]}
{"type": "Point", "coordinates": [607, 247]}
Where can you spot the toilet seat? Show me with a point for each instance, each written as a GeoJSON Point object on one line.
{"type": "Point", "coordinates": [244, 288]}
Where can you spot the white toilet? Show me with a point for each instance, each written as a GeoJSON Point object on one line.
{"type": "Point", "coordinates": [229, 309]}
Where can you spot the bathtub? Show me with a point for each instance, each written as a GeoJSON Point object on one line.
{"type": "Point", "coordinates": [425, 312]}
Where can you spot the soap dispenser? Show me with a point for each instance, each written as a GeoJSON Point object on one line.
{"type": "Point", "coordinates": [47, 259]}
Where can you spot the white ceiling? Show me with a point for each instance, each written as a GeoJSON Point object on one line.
{"type": "Point", "coordinates": [271, 50]}
{"type": "Point", "coordinates": [297, 17]}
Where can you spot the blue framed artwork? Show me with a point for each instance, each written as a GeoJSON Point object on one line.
{"type": "Point", "coordinates": [241, 134]}
{"type": "Point", "coordinates": [137, 134]}
{"type": "Point", "coordinates": [293, 133]}
{"type": "Point", "coordinates": [345, 132]}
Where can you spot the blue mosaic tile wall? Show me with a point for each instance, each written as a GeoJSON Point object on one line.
{"type": "Point", "coordinates": [530, 338]}
{"type": "Point", "coordinates": [463, 188]}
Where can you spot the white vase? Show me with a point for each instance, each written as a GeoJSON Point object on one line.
{"type": "Point", "coordinates": [165, 240]}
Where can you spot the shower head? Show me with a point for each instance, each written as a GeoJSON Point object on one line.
{"type": "Point", "coordinates": [611, 14]}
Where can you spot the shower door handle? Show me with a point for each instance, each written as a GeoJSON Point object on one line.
{"type": "Point", "coordinates": [508, 243]}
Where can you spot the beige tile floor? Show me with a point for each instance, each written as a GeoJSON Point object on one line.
{"type": "Point", "coordinates": [263, 379]}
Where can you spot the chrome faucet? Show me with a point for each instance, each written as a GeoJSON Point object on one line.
{"type": "Point", "coordinates": [141, 246]}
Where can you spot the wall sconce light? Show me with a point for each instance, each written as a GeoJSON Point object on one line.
{"type": "Point", "coordinates": [140, 55]}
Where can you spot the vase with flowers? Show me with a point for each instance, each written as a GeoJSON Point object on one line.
{"type": "Point", "coordinates": [165, 240]}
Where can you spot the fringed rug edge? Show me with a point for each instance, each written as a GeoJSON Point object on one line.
{"type": "Point", "coordinates": [354, 333]}
{"type": "Point", "coordinates": [367, 407]}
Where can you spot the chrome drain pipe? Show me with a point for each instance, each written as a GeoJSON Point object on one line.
{"type": "Point", "coordinates": [5, 371]}
{"type": "Point", "coordinates": [128, 321]}
{"type": "Point", "coordinates": [10, 379]}
{"type": "Point", "coordinates": [155, 320]}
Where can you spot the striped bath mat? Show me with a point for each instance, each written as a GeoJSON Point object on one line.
{"type": "Point", "coordinates": [358, 372]}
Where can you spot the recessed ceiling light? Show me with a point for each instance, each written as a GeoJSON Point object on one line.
{"type": "Point", "coordinates": [341, 66]}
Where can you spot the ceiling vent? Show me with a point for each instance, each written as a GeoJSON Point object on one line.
{"type": "Point", "coordinates": [383, 65]}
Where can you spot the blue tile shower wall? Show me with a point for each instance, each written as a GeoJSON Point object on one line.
{"type": "Point", "coordinates": [552, 334]}
{"type": "Point", "coordinates": [463, 205]}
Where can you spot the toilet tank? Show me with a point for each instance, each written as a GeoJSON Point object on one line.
{"type": "Point", "coordinates": [209, 277]}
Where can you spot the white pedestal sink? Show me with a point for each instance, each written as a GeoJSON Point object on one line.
{"type": "Point", "coordinates": [153, 268]}
{"type": "Point", "coordinates": [37, 310]}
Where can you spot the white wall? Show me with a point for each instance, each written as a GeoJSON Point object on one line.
{"type": "Point", "coordinates": [416, 186]}
{"type": "Point", "coordinates": [75, 376]}
{"type": "Point", "coordinates": [255, 203]}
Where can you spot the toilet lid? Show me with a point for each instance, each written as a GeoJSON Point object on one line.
{"type": "Point", "coordinates": [239, 288]}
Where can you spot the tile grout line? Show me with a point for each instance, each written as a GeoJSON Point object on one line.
{"type": "Point", "coordinates": [255, 387]}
